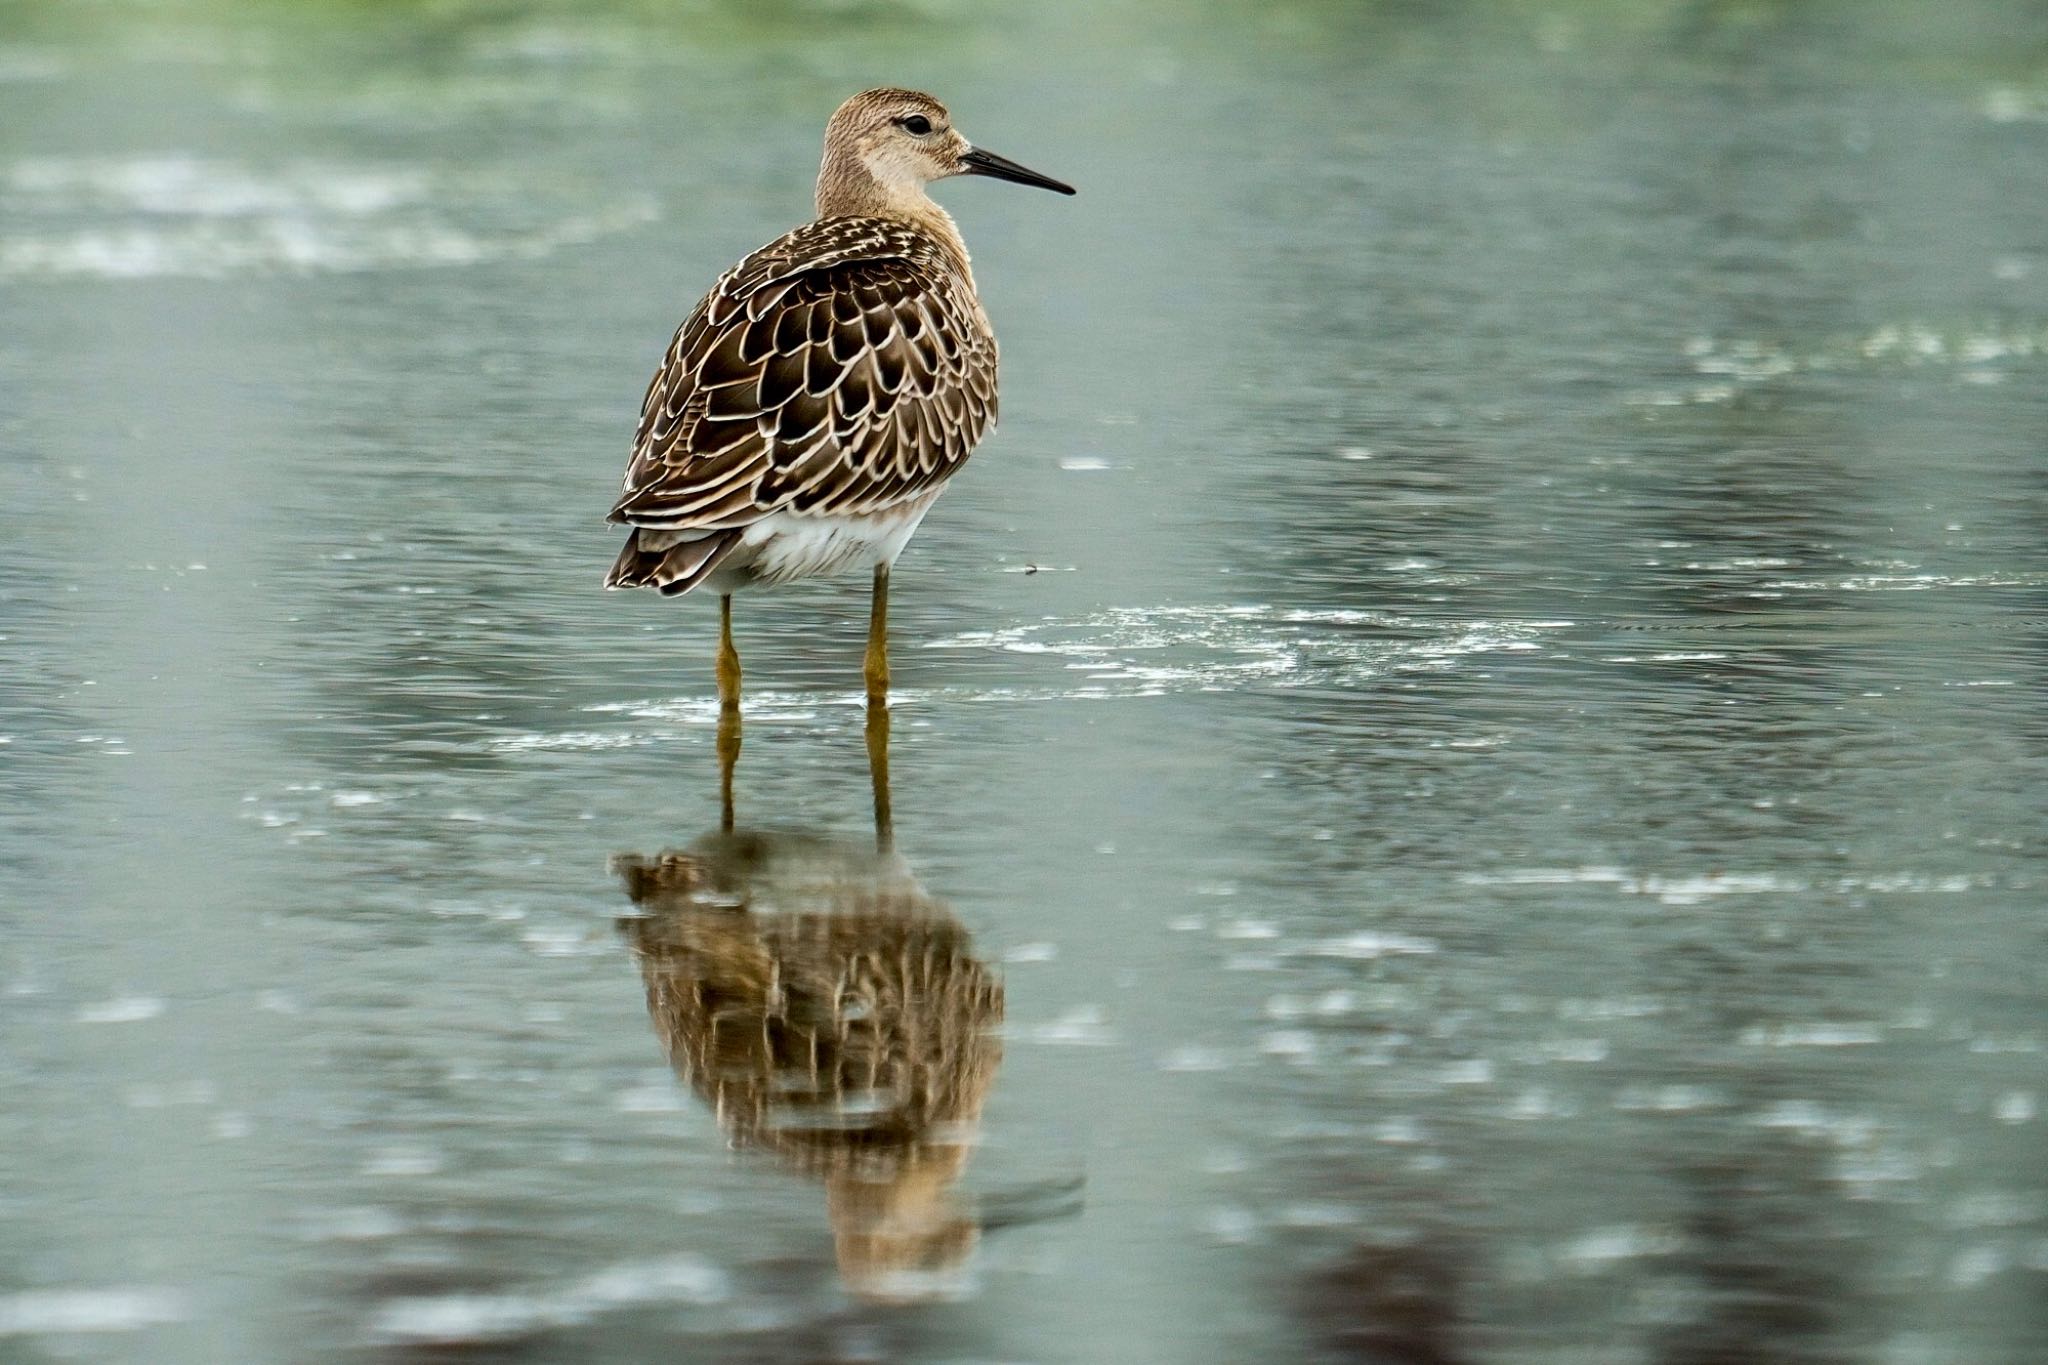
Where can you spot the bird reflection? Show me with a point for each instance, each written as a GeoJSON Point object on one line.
{"type": "Point", "coordinates": [830, 1011]}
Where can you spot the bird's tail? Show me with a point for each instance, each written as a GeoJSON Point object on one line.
{"type": "Point", "coordinates": [665, 560]}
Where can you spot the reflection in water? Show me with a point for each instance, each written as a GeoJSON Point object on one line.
{"type": "Point", "coordinates": [830, 1011]}
{"type": "Point", "coordinates": [1385, 1304]}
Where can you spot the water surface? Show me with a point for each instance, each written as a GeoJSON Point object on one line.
{"type": "Point", "coordinates": [1482, 714]}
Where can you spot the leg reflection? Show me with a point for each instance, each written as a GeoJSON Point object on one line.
{"type": "Point", "coordinates": [878, 772]}
{"type": "Point", "coordinates": [831, 1012]}
{"type": "Point", "coordinates": [728, 711]}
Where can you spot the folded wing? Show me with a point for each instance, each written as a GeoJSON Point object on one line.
{"type": "Point", "coordinates": [841, 369]}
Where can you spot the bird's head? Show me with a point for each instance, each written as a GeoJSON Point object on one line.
{"type": "Point", "coordinates": [904, 139]}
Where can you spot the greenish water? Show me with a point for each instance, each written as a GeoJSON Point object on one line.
{"type": "Point", "coordinates": [1505, 825]}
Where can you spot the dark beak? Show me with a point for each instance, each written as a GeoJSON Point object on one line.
{"type": "Point", "coordinates": [996, 167]}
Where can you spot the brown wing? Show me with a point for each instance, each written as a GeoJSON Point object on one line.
{"type": "Point", "coordinates": [841, 369]}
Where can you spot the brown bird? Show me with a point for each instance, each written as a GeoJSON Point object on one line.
{"type": "Point", "coordinates": [814, 404]}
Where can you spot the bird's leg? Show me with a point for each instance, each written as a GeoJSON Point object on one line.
{"type": "Point", "coordinates": [728, 657]}
{"type": "Point", "coordinates": [877, 666]}
{"type": "Point", "coordinates": [878, 771]}
{"type": "Point", "coordinates": [728, 710]}
{"type": "Point", "coordinates": [876, 670]}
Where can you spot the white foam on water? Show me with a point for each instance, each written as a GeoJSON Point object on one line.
{"type": "Point", "coordinates": [1081, 1026]}
{"type": "Point", "coordinates": [2015, 104]}
{"type": "Point", "coordinates": [1295, 1045]}
{"type": "Point", "coordinates": [199, 187]}
{"type": "Point", "coordinates": [123, 1308]}
{"type": "Point", "coordinates": [1668, 1099]}
{"type": "Point", "coordinates": [573, 741]}
{"type": "Point", "coordinates": [1909, 582]}
{"type": "Point", "coordinates": [404, 1161]}
{"type": "Point", "coordinates": [1735, 365]}
{"type": "Point", "coordinates": [1812, 1119]}
{"type": "Point", "coordinates": [185, 215]}
{"type": "Point", "coordinates": [1248, 929]}
{"type": "Point", "coordinates": [129, 1009]}
{"type": "Point", "coordinates": [1684, 889]}
{"type": "Point", "coordinates": [1594, 1251]}
{"type": "Point", "coordinates": [1366, 946]}
{"type": "Point", "coordinates": [23, 64]}
{"type": "Point", "coordinates": [1693, 890]}
{"type": "Point", "coordinates": [1542, 876]}
{"type": "Point", "coordinates": [1121, 654]}
{"type": "Point", "coordinates": [1812, 1035]}
{"type": "Point", "coordinates": [1193, 1057]}
{"type": "Point", "coordinates": [359, 1223]}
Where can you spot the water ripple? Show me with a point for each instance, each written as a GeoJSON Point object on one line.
{"type": "Point", "coordinates": [184, 215]}
{"type": "Point", "coordinates": [1121, 654]}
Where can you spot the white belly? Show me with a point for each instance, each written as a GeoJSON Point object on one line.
{"type": "Point", "coordinates": [783, 547]}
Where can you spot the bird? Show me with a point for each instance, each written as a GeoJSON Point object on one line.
{"type": "Point", "coordinates": [817, 400]}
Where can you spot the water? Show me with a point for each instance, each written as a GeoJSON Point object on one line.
{"type": "Point", "coordinates": [1481, 717]}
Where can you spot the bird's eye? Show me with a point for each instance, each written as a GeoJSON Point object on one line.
{"type": "Point", "coordinates": [916, 123]}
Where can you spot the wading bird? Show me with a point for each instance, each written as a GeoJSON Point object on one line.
{"type": "Point", "coordinates": [813, 405]}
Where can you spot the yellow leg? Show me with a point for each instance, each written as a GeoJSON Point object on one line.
{"type": "Point", "coordinates": [877, 665]}
{"type": "Point", "coordinates": [728, 657]}
{"type": "Point", "coordinates": [728, 710]}
{"type": "Point", "coordinates": [878, 771]}
{"type": "Point", "coordinates": [876, 670]}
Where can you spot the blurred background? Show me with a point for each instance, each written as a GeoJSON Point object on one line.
{"type": "Point", "coordinates": [1468, 763]}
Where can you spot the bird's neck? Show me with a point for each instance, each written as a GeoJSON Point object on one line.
{"type": "Point", "coordinates": [849, 189]}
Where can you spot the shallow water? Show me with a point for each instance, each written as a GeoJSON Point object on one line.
{"type": "Point", "coordinates": [1484, 707]}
